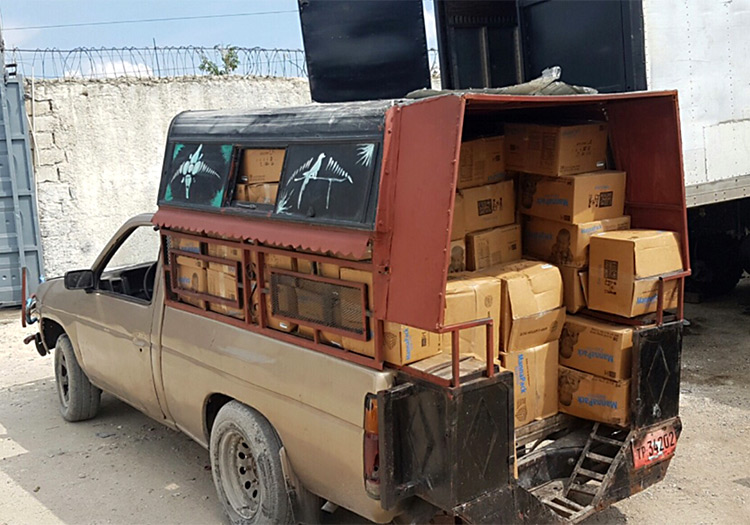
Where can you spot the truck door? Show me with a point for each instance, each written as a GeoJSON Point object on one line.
{"type": "Point", "coordinates": [598, 43]}
{"type": "Point", "coordinates": [115, 330]}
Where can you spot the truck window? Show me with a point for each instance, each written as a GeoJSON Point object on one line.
{"type": "Point", "coordinates": [131, 269]}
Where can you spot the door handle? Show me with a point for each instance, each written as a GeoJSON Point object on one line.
{"type": "Point", "coordinates": [140, 343]}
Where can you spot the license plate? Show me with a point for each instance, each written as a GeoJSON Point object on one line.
{"type": "Point", "coordinates": [655, 446]}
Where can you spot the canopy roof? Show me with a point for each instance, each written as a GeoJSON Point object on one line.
{"type": "Point", "coordinates": [350, 120]}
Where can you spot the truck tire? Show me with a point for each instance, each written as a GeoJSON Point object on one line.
{"type": "Point", "coordinates": [716, 264]}
{"type": "Point", "coordinates": [79, 399]}
{"type": "Point", "coordinates": [246, 465]}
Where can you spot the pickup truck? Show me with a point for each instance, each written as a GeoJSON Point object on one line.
{"type": "Point", "coordinates": [292, 421]}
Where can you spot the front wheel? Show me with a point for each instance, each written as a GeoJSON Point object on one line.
{"type": "Point", "coordinates": [79, 399]}
{"type": "Point", "coordinates": [246, 467]}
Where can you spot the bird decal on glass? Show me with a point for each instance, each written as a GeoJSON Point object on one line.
{"type": "Point", "coordinates": [193, 168]}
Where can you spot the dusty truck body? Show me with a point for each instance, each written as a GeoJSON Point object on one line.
{"type": "Point", "coordinates": [290, 419]}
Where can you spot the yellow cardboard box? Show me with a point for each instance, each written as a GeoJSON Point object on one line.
{"type": "Point", "coordinates": [458, 256]}
{"type": "Point", "coordinates": [468, 297]}
{"type": "Point", "coordinates": [223, 285]}
{"type": "Point", "coordinates": [624, 270]}
{"type": "Point", "coordinates": [574, 198]}
{"type": "Point", "coordinates": [225, 252]}
{"type": "Point", "coordinates": [590, 397]}
{"type": "Point", "coordinates": [534, 382]}
{"type": "Point", "coordinates": [491, 247]}
{"type": "Point", "coordinates": [488, 206]}
{"type": "Point", "coordinates": [596, 347]}
{"type": "Point", "coordinates": [261, 193]}
{"type": "Point", "coordinates": [261, 165]}
{"type": "Point", "coordinates": [186, 245]}
{"type": "Point", "coordinates": [458, 228]}
{"type": "Point", "coordinates": [191, 275]}
{"type": "Point", "coordinates": [562, 243]}
{"type": "Point", "coordinates": [574, 297]}
{"type": "Point", "coordinates": [531, 303]}
{"type": "Point", "coordinates": [482, 162]}
{"type": "Point", "coordinates": [556, 149]}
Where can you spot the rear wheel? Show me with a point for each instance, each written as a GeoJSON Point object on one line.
{"type": "Point", "coordinates": [79, 399]}
{"type": "Point", "coordinates": [246, 466]}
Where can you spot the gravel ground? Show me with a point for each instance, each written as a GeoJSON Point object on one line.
{"type": "Point", "coordinates": [125, 468]}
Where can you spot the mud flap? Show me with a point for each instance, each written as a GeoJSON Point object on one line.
{"type": "Point", "coordinates": [305, 504]}
{"type": "Point", "coordinates": [511, 504]}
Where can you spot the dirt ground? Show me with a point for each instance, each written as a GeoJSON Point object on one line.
{"type": "Point", "coordinates": [125, 468]}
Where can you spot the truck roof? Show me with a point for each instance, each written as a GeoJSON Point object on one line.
{"type": "Point", "coordinates": [349, 120]}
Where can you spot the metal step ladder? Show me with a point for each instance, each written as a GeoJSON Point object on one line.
{"type": "Point", "coordinates": [592, 474]}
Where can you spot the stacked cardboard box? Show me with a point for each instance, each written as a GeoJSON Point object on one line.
{"type": "Point", "coordinates": [574, 218]}
{"type": "Point", "coordinates": [191, 276]}
{"type": "Point", "coordinates": [565, 196]}
{"type": "Point", "coordinates": [260, 172]}
{"type": "Point", "coordinates": [531, 319]}
{"type": "Point", "coordinates": [484, 232]}
{"type": "Point", "coordinates": [595, 369]}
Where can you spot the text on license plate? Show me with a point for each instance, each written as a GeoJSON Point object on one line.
{"type": "Point", "coordinates": [654, 446]}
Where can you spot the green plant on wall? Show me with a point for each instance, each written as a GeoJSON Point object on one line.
{"type": "Point", "coordinates": [230, 60]}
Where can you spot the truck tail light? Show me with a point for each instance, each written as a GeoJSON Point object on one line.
{"type": "Point", "coordinates": [371, 447]}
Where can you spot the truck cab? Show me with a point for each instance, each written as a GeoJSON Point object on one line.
{"type": "Point", "coordinates": [300, 333]}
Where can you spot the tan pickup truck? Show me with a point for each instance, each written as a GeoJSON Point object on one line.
{"type": "Point", "coordinates": [293, 418]}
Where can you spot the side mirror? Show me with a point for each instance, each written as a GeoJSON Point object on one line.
{"type": "Point", "coordinates": [79, 280]}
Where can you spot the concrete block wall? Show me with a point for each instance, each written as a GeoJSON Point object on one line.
{"type": "Point", "coordinates": [99, 146]}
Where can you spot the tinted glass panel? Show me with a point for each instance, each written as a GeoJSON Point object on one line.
{"type": "Point", "coordinates": [327, 181]}
{"type": "Point", "coordinates": [196, 175]}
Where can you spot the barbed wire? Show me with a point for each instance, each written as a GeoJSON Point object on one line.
{"type": "Point", "coordinates": [162, 62]}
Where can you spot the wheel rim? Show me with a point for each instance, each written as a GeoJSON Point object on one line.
{"type": "Point", "coordinates": [63, 380]}
{"type": "Point", "coordinates": [239, 474]}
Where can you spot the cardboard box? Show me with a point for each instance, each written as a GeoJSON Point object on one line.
{"type": "Point", "coordinates": [482, 162]}
{"type": "Point", "coordinates": [574, 199]}
{"type": "Point", "coordinates": [458, 256]}
{"type": "Point", "coordinates": [624, 270]}
{"type": "Point", "coordinates": [469, 297]}
{"type": "Point", "coordinates": [574, 298]}
{"type": "Point", "coordinates": [596, 347]}
{"type": "Point", "coordinates": [531, 304]}
{"type": "Point", "coordinates": [491, 247]}
{"type": "Point", "coordinates": [590, 397]}
{"type": "Point", "coordinates": [191, 275]}
{"type": "Point", "coordinates": [534, 382]}
{"type": "Point", "coordinates": [225, 252]}
{"type": "Point", "coordinates": [262, 193]}
{"type": "Point", "coordinates": [186, 245]}
{"type": "Point", "coordinates": [223, 285]}
{"type": "Point", "coordinates": [402, 344]}
{"type": "Point", "coordinates": [556, 149]}
{"type": "Point", "coordinates": [488, 206]}
{"type": "Point", "coordinates": [562, 243]}
{"type": "Point", "coordinates": [261, 165]}
{"type": "Point", "coordinates": [458, 228]}
{"type": "Point", "coordinates": [240, 192]}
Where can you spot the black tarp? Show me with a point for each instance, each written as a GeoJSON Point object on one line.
{"type": "Point", "coordinates": [364, 49]}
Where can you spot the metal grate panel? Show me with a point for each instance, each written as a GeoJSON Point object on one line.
{"type": "Point", "coordinates": [319, 302]}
